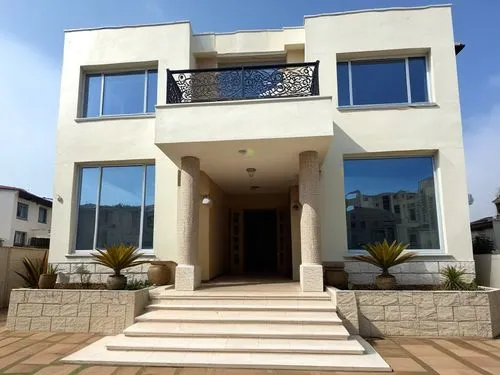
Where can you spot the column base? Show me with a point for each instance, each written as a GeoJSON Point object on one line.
{"type": "Point", "coordinates": [311, 277]}
{"type": "Point", "coordinates": [187, 277]}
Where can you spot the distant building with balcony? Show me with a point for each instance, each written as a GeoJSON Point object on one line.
{"type": "Point", "coordinates": [269, 152]}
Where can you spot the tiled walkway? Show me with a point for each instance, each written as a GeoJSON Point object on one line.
{"type": "Point", "coordinates": [39, 353]}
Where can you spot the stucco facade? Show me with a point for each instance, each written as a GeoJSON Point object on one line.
{"type": "Point", "coordinates": [31, 226]}
{"type": "Point", "coordinates": [228, 137]}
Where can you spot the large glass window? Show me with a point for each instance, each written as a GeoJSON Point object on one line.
{"type": "Point", "coordinates": [393, 199]}
{"type": "Point", "coordinates": [120, 93]}
{"type": "Point", "coordinates": [116, 206]}
{"type": "Point", "coordinates": [387, 81]}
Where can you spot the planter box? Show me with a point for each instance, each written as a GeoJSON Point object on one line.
{"type": "Point", "coordinates": [79, 310]}
{"type": "Point", "coordinates": [419, 313]}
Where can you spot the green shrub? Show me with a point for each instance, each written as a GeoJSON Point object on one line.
{"type": "Point", "coordinates": [482, 245]}
{"type": "Point", "coordinates": [454, 279]}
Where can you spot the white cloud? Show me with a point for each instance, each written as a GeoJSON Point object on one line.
{"type": "Point", "coordinates": [29, 94]}
{"type": "Point", "coordinates": [482, 153]}
{"type": "Point", "coordinates": [494, 80]}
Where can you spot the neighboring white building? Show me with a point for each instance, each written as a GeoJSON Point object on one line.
{"type": "Point", "coordinates": [488, 227]}
{"type": "Point", "coordinates": [237, 152]}
{"type": "Point", "coordinates": [24, 218]}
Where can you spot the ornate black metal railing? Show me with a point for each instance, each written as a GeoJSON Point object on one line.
{"type": "Point", "coordinates": [243, 82]}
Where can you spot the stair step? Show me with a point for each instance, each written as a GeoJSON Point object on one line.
{"type": "Point", "coordinates": [309, 296]}
{"type": "Point", "coordinates": [210, 305]}
{"type": "Point", "coordinates": [241, 330]}
{"type": "Point", "coordinates": [231, 316]}
{"type": "Point", "coordinates": [242, 345]}
{"type": "Point", "coordinates": [96, 353]}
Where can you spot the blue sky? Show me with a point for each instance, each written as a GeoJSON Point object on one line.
{"type": "Point", "coordinates": [31, 42]}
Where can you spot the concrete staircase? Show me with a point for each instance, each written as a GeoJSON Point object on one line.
{"type": "Point", "coordinates": [235, 330]}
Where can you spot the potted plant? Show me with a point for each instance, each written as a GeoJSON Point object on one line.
{"type": "Point", "coordinates": [118, 257]}
{"type": "Point", "coordinates": [47, 280]}
{"type": "Point", "coordinates": [384, 256]}
{"type": "Point", "coordinates": [34, 269]}
{"type": "Point", "coordinates": [161, 272]}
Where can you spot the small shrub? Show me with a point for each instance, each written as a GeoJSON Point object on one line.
{"type": "Point", "coordinates": [84, 275]}
{"type": "Point", "coordinates": [454, 279]}
{"type": "Point", "coordinates": [138, 284]}
{"type": "Point", "coordinates": [482, 245]}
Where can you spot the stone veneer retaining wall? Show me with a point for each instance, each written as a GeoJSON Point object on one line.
{"type": "Point", "coordinates": [419, 313]}
{"type": "Point", "coordinates": [99, 311]}
{"type": "Point", "coordinates": [67, 272]}
{"type": "Point", "coordinates": [415, 272]}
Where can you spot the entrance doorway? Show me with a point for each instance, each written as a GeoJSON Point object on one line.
{"type": "Point", "coordinates": [260, 242]}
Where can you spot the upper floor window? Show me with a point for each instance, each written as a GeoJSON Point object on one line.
{"type": "Point", "coordinates": [386, 81]}
{"type": "Point", "coordinates": [22, 211]}
{"type": "Point", "coordinates": [42, 215]}
{"type": "Point", "coordinates": [121, 93]}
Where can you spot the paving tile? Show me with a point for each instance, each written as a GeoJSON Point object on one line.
{"type": "Point", "coordinates": [42, 335]}
{"type": "Point", "coordinates": [8, 340]}
{"type": "Point", "coordinates": [77, 338]}
{"type": "Point", "coordinates": [98, 370]}
{"type": "Point", "coordinates": [10, 359]}
{"type": "Point", "coordinates": [484, 346]}
{"type": "Point", "coordinates": [22, 369]}
{"type": "Point", "coordinates": [158, 371]}
{"type": "Point", "coordinates": [127, 370]}
{"type": "Point", "coordinates": [404, 364]}
{"type": "Point", "coordinates": [42, 359]}
{"type": "Point", "coordinates": [195, 371]}
{"type": "Point", "coordinates": [57, 337]}
{"type": "Point", "coordinates": [228, 371]}
{"type": "Point", "coordinates": [57, 370]}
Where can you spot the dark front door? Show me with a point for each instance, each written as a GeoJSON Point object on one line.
{"type": "Point", "coordinates": [260, 241]}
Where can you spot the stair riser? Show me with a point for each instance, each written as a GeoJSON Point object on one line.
{"type": "Point", "coordinates": [236, 350]}
{"type": "Point", "coordinates": [240, 302]}
{"type": "Point", "coordinates": [290, 336]}
{"type": "Point", "coordinates": [236, 321]}
{"type": "Point", "coordinates": [154, 306]}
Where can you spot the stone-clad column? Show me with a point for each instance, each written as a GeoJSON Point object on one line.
{"type": "Point", "coordinates": [187, 273]}
{"type": "Point", "coordinates": [311, 269]}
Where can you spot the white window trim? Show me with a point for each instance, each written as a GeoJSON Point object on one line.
{"type": "Point", "coordinates": [407, 76]}
{"type": "Point", "coordinates": [88, 252]}
{"type": "Point", "coordinates": [103, 88]}
{"type": "Point", "coordinates": [441, 250]}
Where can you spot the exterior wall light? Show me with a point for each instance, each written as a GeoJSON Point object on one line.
{"type": "Point", "coordinates": [206, 200]}
{"type": "Point", "coordinates": [251, 171]}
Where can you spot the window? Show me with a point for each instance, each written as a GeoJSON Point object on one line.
{"type": "Point", "coordinates": [19, 238]}
{"type": "Point", "coordinates": [116, 205]}
{"type": "Point", "coordinates": [387, 81]}
{"type": "Point", "coordinates": [22, 211]}
{"type": "Point", "coordinates": [42, 215]}
{"type": "Point", "coordinates": [390, 177]}
{"type": "Point", "coordinates": [122, 93]}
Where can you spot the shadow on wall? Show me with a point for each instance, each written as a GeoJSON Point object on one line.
{"type": "Point", "coordinates": [488, 269]}
{"type": "Point", "coordinates": [11, 260]}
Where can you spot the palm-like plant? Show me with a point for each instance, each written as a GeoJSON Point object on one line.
{"type": "Point", "coordinates": [118, 257]}
{"type": "Point", "coordinates": [34, 268]}
{"type": "Point", "coordinates": [384, 255]}
{"type": "Point", "coordinates": [454, 279]}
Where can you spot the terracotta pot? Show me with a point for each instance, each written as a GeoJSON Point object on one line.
{"type": "Point", "coordinates": [159, 273]}
{"type": "Point", "coordinates": [116, 282]}
{"type": "Point", "coordinates": [336, 276]}
{"type": "Point", "coordinates": [47, 281]}
{"type": "Point", "coordinates": [385, 282]}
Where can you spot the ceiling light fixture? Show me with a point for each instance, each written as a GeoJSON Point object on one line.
{"type": "Point", "coordinates": [251, 171]}
{"type": "Point", "coordinates": [254, 187]}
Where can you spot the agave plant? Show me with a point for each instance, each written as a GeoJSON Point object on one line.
{"type": "Point", "coordinates": [454, 278]}
{"type": "Point", "coordinates": [34, 268]}
{"type": "Point", "coordinates": [118, 257]}
{"type": "Point", "coordinates": [384, 256]}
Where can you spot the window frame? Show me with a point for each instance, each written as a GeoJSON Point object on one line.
{"type": "Point", "coordinates": [40, 208]}
{"type": "Point", "coordinates": [27, 211]}
{"type": "Point", "coordinates": [25, 237]}
{"type": "Point", "coordinates": [437, 188]}
{"type": "Point", "coordinates": [102, 74]}
{"type": "Point", "coordinates": [79, 252]}
{"type": "Point", "coordinates": [406, 58]}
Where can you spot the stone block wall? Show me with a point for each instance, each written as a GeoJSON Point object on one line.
{"type": "Point", "coordinates": [416, 272]}
{"type": "Point", "coordinates": [97, 311]}
{"type": "Point", "coordinates": [421, 313]}
{"type": "Point", "coordinates": [67, 272]}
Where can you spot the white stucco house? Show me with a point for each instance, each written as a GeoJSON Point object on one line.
{"type": "Point", "coordinates": [268, 152]}
{"type": "Point", "coordinates": [25, 218]}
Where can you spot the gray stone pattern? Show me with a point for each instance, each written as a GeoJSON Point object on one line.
{"type": "Point", "coordinates": [97, 311]}
{"type": "Point", "coordinates": [67, 272]}
{"type": "Point", "coordinates": [411, 273]}
{"type": "Point", "coordinates": [420, 313]}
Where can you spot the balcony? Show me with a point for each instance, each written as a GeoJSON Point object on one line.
{"type": "Point", "coordinates": [276, 111]}
{"type": "Point", "coordinates": [242, 83]}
